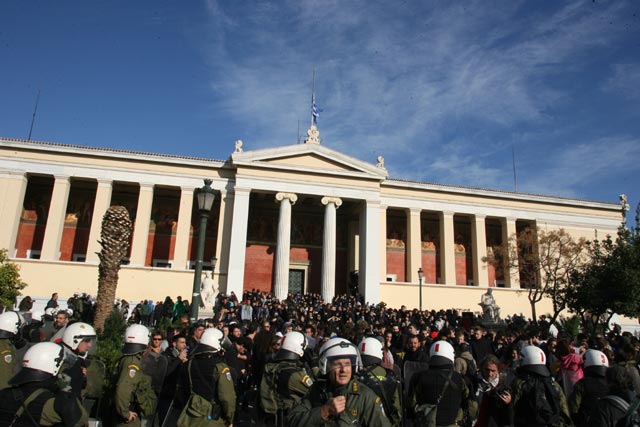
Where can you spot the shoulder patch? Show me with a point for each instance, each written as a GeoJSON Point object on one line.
{"type": "Point", "coordinates": [307, 381]}
{"type": "Point", "coordinates": [355, 387]}
{"type": "Point", "coordinates": [224, 371]}
{"type": "Point", "coordinates": [133, 370]}
{"type": "Point", "coordinates": [7, 358]}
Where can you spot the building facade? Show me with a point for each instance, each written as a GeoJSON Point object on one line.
{"type": "Point", "coordinates": [285, 219]}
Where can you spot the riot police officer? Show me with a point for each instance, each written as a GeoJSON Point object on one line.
{"type": "Point", "coordinates": [338, 398]}
{"type": "Point", "coordinates": [135, 399]}
{"type": "Point", "coordinates": [35, 398]}
{"type": "Point", "coordinates": [441, 386]}
{"type": "Point", "coordinates": [212, 397]}
{"type": "Point", "coordinates": [77, 340]}
{"type": "Point", "coordinates": [285, 380]}
{"type": "Point", "coordinates": [384, 382]}
{"type": "Point", "coordinates": [10, 323]}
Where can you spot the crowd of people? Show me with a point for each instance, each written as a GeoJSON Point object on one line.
{"type": "Point", "coordinates": [306, 362]}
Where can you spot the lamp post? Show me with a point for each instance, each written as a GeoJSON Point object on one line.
{"type": "Point", "coordinates": [420, 277]}
{"type": "Point", "coordinates": [205, 197]}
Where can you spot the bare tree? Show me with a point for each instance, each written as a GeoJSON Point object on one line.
{"type": "Point", "coordinates": [546, 262]}
{"type": "Point", "coordinates": [114, 239]}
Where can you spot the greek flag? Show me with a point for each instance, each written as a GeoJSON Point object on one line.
{"type": "Point", "coordinates": [315, 112]}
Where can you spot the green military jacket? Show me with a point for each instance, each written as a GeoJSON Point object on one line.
{"type": "Point", "coordinates": [198, 409]}
{"type": "Point", "coordinates": [518, 394]}
{"type": "Point", "coordinates": [283, 384]}
{"type": "Point", "coordinates": [387, 388]}
{"type": "Point", "coordinates": [363, 408]}
{"type": "Point", "coordinates": [8, 362]}
{"type": "Point", "coordinates": [133, 390]}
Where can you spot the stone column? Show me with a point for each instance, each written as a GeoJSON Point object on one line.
{"type": "Point", "coordinates": [238, 244]}
{"type": "Point", "coordinates": [55, 219]}
{"type": "Point", "coordinates": [447, 249]}
{"type": "Point", "coordinates": [13, 187]}
{"type": "Point", "coordinates": [369, 271]}
{"type": "Point", "coordinates": [281, 274]}
{"type": "Point", "coordinates": [329, 247]}
{"type": "Point", "coordinates": [100, 207]}
{"type": "Point", "coordinates": [183, 230]}
{"type": "Point", "coordinates": [224, 238]}
{"type": "Point", "coordinates": [414, 245]}
{"type": "Point", "coordinates": [383, 243]}
{"type": "Point", "coordinates": [479, 248]}
{"type": "Point", "coordinates": [141, 226]}
{"type": "Point", "coordinates": [511, 274]}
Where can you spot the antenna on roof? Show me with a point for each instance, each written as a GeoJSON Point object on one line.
{"type": "Point", "coordinates": [33, 118]}
{"type": "Point", "coordinates": [298, 138]}
{"type": "Point", "coordinates": [513, 159]}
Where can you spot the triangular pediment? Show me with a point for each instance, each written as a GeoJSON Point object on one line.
{"type": "Point", "coordinates": [310, 158]}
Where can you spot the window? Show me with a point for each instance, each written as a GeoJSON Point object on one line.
{"type": "Point", "coordinates": [161, 263]}
{"type": "Point", "coordinates": [32, 254]}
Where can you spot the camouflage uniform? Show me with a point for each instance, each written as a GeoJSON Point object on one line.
{"type": "Point", "coordinates": [363, 407]}
{"type": "Point", "coordinates": [133, 391]}
{"type": "Point", "coordinates": [520, 395]}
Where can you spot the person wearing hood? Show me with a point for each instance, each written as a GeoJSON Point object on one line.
{"type": "Point", "coordinates": [441, 386]}
{"type": "Point", "coordinates": [538, 401]}
{"type": "Point", "coordinates": [34, 397]}
{"type": "Point", "coordinates": [135, 399]}
{"type": "Point", "coordinates": [590, 388]}
{"type": "Point", "coordinates": [77, 340]}
{"type": "Point", "coordinates": [212, 396]}
{"type": "Point", "coordinates": [286, 379]}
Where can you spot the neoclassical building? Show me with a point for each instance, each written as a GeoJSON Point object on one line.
{"type": "Point", "coordinates": [285, 219]}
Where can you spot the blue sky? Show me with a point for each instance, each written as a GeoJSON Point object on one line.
{"type": "Point", "coordinates": [443, 90]}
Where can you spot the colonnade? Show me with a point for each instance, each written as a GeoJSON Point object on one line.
{"type": "Point", "coordinates": [231, 244]}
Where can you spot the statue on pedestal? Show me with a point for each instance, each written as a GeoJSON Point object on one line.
{"type": "Point", "coordinates": [490, 311]}
{"type": "Point", "coordinates": [208, 292]}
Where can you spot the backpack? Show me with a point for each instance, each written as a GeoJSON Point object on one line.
{"type": "Point", "coordinates": [631, 418]}
{"type": "Point", "coordinates": [271, 392]}
{"type": "Point", "coordinates": [541, 402]}
{"type": "Point", "coordinates": [385, 389]}
{"type": "Point", "coordinates": [427, 413]}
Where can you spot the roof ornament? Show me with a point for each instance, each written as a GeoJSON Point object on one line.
{"type": "Point", "coordinates": [380, 162]}
{"type": "Point", "coordinates": [238, 145]}
{"type": "Point", "coordinates": [624, 205]}
{"type": "Point", "coordinates": [313, 135]}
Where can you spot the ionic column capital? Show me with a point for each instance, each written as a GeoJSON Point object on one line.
{"type": "Point", "coordinates": [293, 198]}
{"type": "Point", "coordinates": [335, 200]}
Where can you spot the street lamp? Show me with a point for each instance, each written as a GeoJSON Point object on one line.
{"type": "Point", "coordinates": [420, 277]}
{"type": "Point", "coordinates": [205, 197]}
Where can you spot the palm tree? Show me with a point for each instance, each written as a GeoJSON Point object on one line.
{"type": "Point", "coordinates": [115, 234]}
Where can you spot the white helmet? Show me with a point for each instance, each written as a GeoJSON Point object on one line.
{"type": "Point", "coordinates": [42, 361]}
{"type": "Point", "coordinates": [50, 312]}
{"type": "Point", "coordinates": [534, 360]}
{"type": "Point", "coordinates": [10, 323]}
{"type": "Point", "coordinates": [371, 351]}
{"type": "Point", "coordinates": [338, 348]}
{"type": "Point", "coordinates": [136, 339]}
{"type": "Point", "coordinates": [595, 358]}
{"type": "Point", "coordinates": [441, 353]}
{"type": "Point", "coordinates": [292, 346]}
{"type": "Point", "coordinates": [75, 333]}
{"type": "Point", "coordinates": [210, 341]}
{"type": "Point", "coordinates": [37, 315]}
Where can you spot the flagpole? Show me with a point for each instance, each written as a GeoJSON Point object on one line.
{"type": "Point", "coordinates": [313, 97]}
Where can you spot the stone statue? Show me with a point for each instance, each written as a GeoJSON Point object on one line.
{"type": "Point", "coordinates": [238, 144]}
{"type": "Point", "coordinates": [208, 292]}
{"type": "Point", "coordinates": [490, 311]}
{"type": "Point", "coordinates": [380, 162]}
